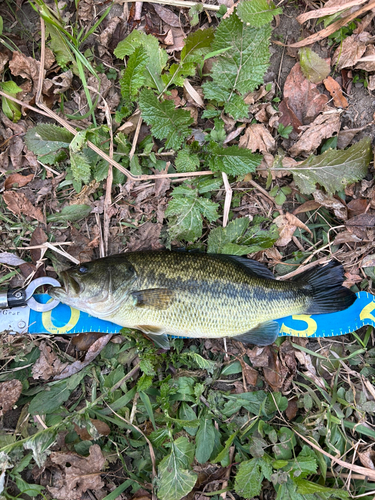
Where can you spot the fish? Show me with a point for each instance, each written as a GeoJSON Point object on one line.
{"type": "Point", "coordinates": [197, 295]}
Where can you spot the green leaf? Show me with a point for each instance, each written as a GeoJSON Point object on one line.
{"type": "Point", "coordinates": [305, 487]}
{"type": "Point", "coordinates": [174, 479]}
{"type": "Point", "coordinates": [60, 48]}
{"type": "Point", "coordinates": [40, 442]}
{"type": "Point", "coordinates": [81, 167]}
{"type": "Point", "coordinates": [233, 160]}
{"type": "Point", "coordinates": [185, 412]}
{"type": "Point", "coordinates": [241, 69]}
{"type": "Point", "coordinates": [257, 12]}
{"type": "Point", "coordinates": [313, 66]}
{"type": "Point", "coordinates": [196, 46]}
{"type": "Point", "coordinates": [166, 121]}
{"type": "Point", "coordinates": [249, 477]}
{"type": "Point", "coordinates": [185, 212]}
{"type": "Point", "coordinates": [70, 213]}
{"type": "Point", "coordinates": [186, 161]}
{"type": "Point", "coordinates": [47, 138]}
{"type": "Point", "coordinates": [134, 75]}
{"type": "Point", "coordinates": [204, 364]}
{"type": "Point", "coordinates": [147, 403]}
{"type": "Point", "coordinates": [205, 440]}
{"type": "Point", "coordinates": [11, 109]}
{"type": "Point", "coordinates": [157, 57]}
{"type": "Point", "coordinates": [32, 490]}
{"type": "Point", "coordinates": [220, 236]}
{"type": "Point", "coordinates": [55, 394]}
{"type": "Point", "coordinates": [333, 169]}
{"type": "Point", "coordinates": [221, 456]}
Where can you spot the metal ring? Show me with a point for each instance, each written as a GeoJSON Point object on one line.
{"type": "Point", "coordinates": [37, 306]}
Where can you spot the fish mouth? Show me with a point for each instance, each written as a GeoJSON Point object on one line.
{"type": "Point", "coordinates": [70, 287]}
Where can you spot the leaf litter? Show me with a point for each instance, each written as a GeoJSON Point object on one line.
{"type": "Point", "coordinates": [200, 420]}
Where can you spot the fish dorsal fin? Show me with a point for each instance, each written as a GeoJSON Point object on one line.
{"type": "Point", "coordinates": [253, 267]}
{"type": "Point", "coordinates": [154, 298]}
{"type": "Point", "coordinates": [263, 334]}
{"type": "Point", "coordinates": [156, 334]}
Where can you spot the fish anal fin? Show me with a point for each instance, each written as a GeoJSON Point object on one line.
{"type": "Point", "coordinates": [263, 334]}
{"type": "Point", "coordinates": [154, 298]}
{"type": "Point", "coordinates": [156, 334]}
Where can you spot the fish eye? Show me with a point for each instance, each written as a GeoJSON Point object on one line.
{"type": "Point", "coordinates": [82, 269]}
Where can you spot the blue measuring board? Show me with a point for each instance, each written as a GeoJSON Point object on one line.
{"type": "Point", "coordinates": [67, 320]}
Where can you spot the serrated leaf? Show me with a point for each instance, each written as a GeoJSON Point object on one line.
{"type": "Point", "coordinates": [205, 440]}
{"type": "Point", "coordinates": [333, 169]}
{"type": "Point", "coordinates": [249, 477]}
{"type": "Point", "coordinates": [70, 213]}
{"type": "Point", "coordinates": [204, 364]}
{"type": "Point", "coordinates": [157, 57]}
{"type": "Point", "coordinates": [220, 236]}
{"type": "Point", "coordinates": [134, 74]}
{"type": "Point", "coordinates": [257, 12]}
{"type": "Point", "coordinates": [233, 160]}
{"type": "Point", "coordinates": [186, 161]}
{"type": "Point", "coordinates": [166, 121]}
{"type": "Point", "coordinates": [46, 138]}
{"type": "Point", "coordinates": [241, 69]}
{"type": "Point", "coordinates": [81, 167]}
{"type": "Point", "coordinates": [313, 66]}
{"type": "Point", "coordinates": [174, 479]}
{"type": "Point", "coordinates": [185, 215]}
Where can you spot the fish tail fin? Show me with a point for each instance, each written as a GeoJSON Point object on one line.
{"type": "Point", "coordinates": [328, 294]}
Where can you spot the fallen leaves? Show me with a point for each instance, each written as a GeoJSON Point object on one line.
{"type": "Point", "coordinates": [336, 93]}
{"type": "Point", "coordinates": [48, 364]}
{"type": "Point", "coordinates": [19, 204]}
{"type": "Point", "coordinates": [73, 474]}
{"type": "Point", "coordinates": [10, 391]}
{"type": "Point", "coordinates": [287, 225]}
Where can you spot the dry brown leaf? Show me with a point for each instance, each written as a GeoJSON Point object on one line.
{"type": "Point", "coordinates": [257, 138]}
{"type": "Point", "coordinates": [336, 93]}
{"type": "Point", "coordinates": [367, 458]}
{"type": "Point", "coordinates": [363, 220]}
{"type": "Point", "coordinates": [305, 359]}
{"type": "Point", "coordinates": [17, 180]}
{"type": "Point", "coordinates": [24, 66]}
{"type": "Point", "coordinates": [15, 152]}
{"type": "Point", "coordinates": [38, 238]}
{"type": "Point", "coordinates": [4, 58]}
{"type": "Point", "coordinates": [323, 127]}
{"type": "Point", "coordinates": [330, 7]}
{"type": "Point", "coordinates": [346, 237]}
{"type": "Point", "coordinates": [302, 96]}
{"type": "Point", "coordinates": [316, 37]}
{"type": "Point", "coordinates": [367, 62]}
{"type": "Point", "coordinates": [76, 474]}
{"type": "Point", "coordinates": [146, 238]}
{"type": "Point", "coordinates": [287, 224]}
{"type": "Point", "coordinates": [346, 136]}
{"type": "Point", "coordinates": [331, 203]}
{"type": "Point", "coordinates": [10, 391]}
{"type": "Point", "coordinates": [308, 206]}
{"type": "Point", "coordinates": [258, 356]}
{"type": "Point", "coordinates": [62, 82]}
{"type": "Point", "coordinates": [178, 40]}
{"type": "Point", "coordinates": [48, 364]}
{"type": "Point", "coordinates": [274, 373]}
{"type": "Point", "coordinates": [83, 341]}
{"type": "Point", "coordinates": [167, 15]}
{"type": "Point", "coordinates": [251, 375]}
{"type": "Point", "coordinates": [191, 95]}
{"type": "Point", "coordinates": [350, 50]}
{"type": "Point", "coordinates": [100, 426]}
{"type": "Point", "coordinates": [20, 205]}
{"type": "Point", "coordinates": [91, 354]}
{"type": "Point", "coordinates": [292, 409]}
{"type": "Point", "coordinates": [357, 207]}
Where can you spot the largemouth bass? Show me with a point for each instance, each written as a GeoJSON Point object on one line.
{"type": "Point", "coordinates": [199, 295]}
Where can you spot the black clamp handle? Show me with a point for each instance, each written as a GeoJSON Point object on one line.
{"type": "Point", "coordinates": [13, 298]}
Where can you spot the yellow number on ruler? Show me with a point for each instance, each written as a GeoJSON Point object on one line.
{"type": "Point", "coordinates": [366, 312]}
{"type": "Point", "coordinates": [50, 327]}
{"type": "Point", "coordinates": [310, 330]}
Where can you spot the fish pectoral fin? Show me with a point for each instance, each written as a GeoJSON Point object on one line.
{"type": "Point", "coordinates": [154, 298]}
{"type": "Point", "coordinates": [156, 334]}
{"type": "Point", "coordinates": [263, 334]}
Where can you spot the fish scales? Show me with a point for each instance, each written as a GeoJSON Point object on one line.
{"type": "Point", "coordinates": [213, 297]}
